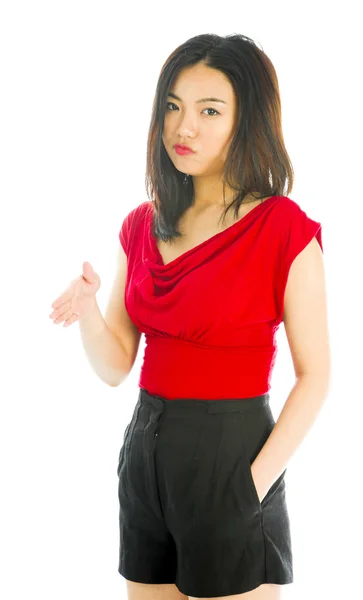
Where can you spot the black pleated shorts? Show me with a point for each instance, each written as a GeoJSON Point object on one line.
{"type": "Point", "coordinates": [189, 509]}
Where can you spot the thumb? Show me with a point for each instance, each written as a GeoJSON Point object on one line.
{"type": "Point", "coordinates": [89, 273]}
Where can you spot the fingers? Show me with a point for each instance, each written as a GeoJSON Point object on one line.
{"type": "Point", "coordinates": [62, 313]}
{"type": "Point", "coordinates": [65, 297]}
{"type": "Point", "coordinates": [63, 308]}
{"type": "Point", "coordinates": [71, 320]}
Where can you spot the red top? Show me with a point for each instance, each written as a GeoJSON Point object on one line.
{"type": "Point", "coordinates": [210, 315]}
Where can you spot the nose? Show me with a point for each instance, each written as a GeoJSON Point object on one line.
{"type": "Point", "coordinates": [187, 127]}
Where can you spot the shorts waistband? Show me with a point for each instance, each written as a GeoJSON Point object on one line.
{"type": "Point", "coordinates": [195, 405]}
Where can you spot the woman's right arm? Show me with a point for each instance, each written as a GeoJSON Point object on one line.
{"type": "Point", "coordinates": [103, 348]}
{"type": "Point", "coordinates": [111, 343]}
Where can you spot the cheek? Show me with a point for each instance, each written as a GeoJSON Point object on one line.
{"type": "Point", "coordinates": [167, 124]}
{"type": "Point", "coordinates": [167, 134]}
{"type": "Point", "coordinates": [219, 142]}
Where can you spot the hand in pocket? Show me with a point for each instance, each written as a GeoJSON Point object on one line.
{"type": "Point", "coordinates": [261, 493]}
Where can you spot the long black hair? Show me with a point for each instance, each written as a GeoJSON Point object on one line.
{"type": "Point", "coordinates": [257, 159]}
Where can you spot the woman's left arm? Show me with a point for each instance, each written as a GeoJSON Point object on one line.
{"type": "Point", "coordinates": [306, 324]}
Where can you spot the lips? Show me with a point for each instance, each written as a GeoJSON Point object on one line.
{"type": "Point", "coordinates": [183, 149]}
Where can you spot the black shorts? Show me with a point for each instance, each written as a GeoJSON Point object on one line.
{"type": "Point", "coordinates": [189, 509]}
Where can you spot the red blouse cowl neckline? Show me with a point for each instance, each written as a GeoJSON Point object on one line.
{"type": "Point", "coordinates": [210, 315]}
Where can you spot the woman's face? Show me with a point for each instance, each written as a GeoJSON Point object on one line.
{"type": "Point", "coordinates": [207, 127]}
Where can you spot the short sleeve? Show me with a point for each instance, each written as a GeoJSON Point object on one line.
{"type": "Point", "coordinates": [297, 230]}
{"type": "Point", "coordinates": [124, 234]}
{"type": "Point", "coordinates": [128, 233]}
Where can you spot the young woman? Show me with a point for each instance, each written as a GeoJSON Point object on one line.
{"type": "Point", "coordinates": [209, 267]}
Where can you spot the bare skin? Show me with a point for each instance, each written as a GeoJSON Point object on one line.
{"type": "Point", "coordinates": [198, 225]}
{"type": "Point", "coordinates": [206, 127]}
{"type": "Point", "coordinates": [144, 591]}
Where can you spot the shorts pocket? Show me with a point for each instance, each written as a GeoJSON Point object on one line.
{"type": "Point", "coordinates": [272, 495]}
{"type": "Point", "coordinates": [251, 484]}
{"type": "Point", "coordinates": [258, 426]}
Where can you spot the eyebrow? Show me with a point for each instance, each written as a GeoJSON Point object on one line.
{"type": "Point", "coordinates": [172, 95]}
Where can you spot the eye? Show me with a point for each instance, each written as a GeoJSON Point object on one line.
{"type": "Point", "coordinates": [216, 111]}
{"type": "Point", "coordinates": [212, 109]}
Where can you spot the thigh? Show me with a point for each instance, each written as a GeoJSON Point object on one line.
{"type": "Point", "coordinates": [266, 591]}
{"type": "Point", "coordinates": [156, 591]}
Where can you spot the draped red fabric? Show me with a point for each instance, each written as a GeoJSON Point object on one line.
{"type": "Point", "coordinates": [210, 316]}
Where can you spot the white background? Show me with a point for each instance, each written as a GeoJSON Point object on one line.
{"type": "Point", "coordinates": [77, 84]}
